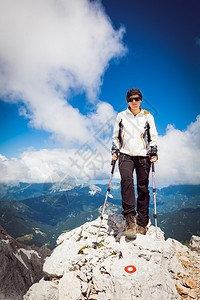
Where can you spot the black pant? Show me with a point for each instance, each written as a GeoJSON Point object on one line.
{"type": "Point", "coordinates": [141, 164]}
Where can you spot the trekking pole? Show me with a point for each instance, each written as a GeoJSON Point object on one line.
{"type": "Point", "coordinates": [154, 196]}
{"type": "Point", "coordinates": [113, 162]}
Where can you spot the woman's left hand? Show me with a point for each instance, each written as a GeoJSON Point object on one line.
{"type": "Point", "coordinates": [153, 159]}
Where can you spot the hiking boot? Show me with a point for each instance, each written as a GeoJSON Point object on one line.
{"type": "Point", "coordinates": [141, 230]}
{"type": "Point", "coordinates": [131, 226]}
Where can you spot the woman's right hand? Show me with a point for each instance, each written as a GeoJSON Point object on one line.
{"type": "Point", "coordinates": [115, 155]}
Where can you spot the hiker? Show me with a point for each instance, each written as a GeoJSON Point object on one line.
{"type": "Point", "coordinates": [135, 144]}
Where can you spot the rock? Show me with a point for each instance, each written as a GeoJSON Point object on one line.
{"type": "Point", "coordinates": [195, 243]}
{"type": "Point", "coordinates": [45, 290]}
{"type": "Point", "coordinates": [193, 295]}
{"type": "Point", "coordinates": [146, 268]}
{"type": "Point", "coordinates": [69, 287]}
{"type": "Point", "coordinates": [181, 289]}
{"type": "Point", "coordinates": [189, 283]}
{"type": "Point", "coordinates": [189, 276]}
{"type": "Point", "coordinates": [21, 266]}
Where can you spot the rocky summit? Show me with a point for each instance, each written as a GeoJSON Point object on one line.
{"type": "Point", "coordinates": [20, 266]}
{"type": "Point", "coordinates": [148, 267]}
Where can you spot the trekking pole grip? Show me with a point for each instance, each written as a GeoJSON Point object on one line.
{"type": "Point", "coordinates": [113, 162]}
{"type": "Point", "coordinates": [153, 167]}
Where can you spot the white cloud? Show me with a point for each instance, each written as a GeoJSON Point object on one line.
{"type": "Point", "coordinates": [50, 50]}
{"type": "Point", "coordinates": [179, 153]}
{"type": "Point", "coordinates": [86, 164]}
{"type": "Point", "coordinates": [178, 162]}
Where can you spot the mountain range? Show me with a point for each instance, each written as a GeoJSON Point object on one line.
{"type": "Point", "coordinates": [38, 213]}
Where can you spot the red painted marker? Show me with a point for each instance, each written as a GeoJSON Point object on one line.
{"type": "Point", "coordinates": [130, 269]}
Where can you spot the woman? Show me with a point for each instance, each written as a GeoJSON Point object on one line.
{"type": "Point", "coordinates": [135, 143]}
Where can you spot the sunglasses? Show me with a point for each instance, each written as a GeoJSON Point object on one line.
{"type": "Point", "coordinates": [136, 99]}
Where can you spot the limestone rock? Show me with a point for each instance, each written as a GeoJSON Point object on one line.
{"type": "Point", "coordinates": [146, 268]}
{"type": "Point", "coordinates": [69, 287]}
{"type": "Point", "coordinates": [195, 243]}
{"type": "Point", "coordinates": [43, 290]}
{"type": "Point", "coordinates": [188, 278]}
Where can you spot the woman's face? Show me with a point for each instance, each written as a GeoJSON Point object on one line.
{"type": "Point", "coordinates": [135, 104]}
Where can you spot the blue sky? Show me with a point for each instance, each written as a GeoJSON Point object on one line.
{"type": "Point", "coordinates": [163, 58]}
{"type": "Point", "coordinates": [156, 49]}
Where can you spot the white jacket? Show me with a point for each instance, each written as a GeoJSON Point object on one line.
{"type": "Point", "coordinates": [135, 135]}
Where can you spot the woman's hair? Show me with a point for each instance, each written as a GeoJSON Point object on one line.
{"type": "Point", "coordinates": [133, 92]}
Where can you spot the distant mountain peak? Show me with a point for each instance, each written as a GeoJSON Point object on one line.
{"type": "Point", "coordinates": [93, 189]}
